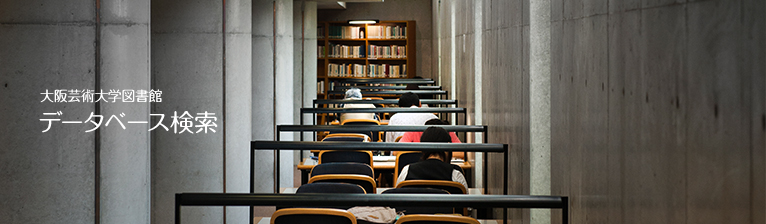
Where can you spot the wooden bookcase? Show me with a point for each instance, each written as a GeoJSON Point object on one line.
{"type": "Point", "coordinates": [327, 39]}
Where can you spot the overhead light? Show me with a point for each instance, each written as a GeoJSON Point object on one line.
{"type": "Point", "coordinates": [363, 21]}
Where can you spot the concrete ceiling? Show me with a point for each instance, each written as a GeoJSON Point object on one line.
{"type": "Point", "coordinates": [334, 4]}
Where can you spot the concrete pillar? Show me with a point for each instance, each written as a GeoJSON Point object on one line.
{"type": "Point", "coordinates": [284, 83]}
{"type": "Point", "coordinates": [67, 175]}
{"type": "Point", "coordinates": [187, 54]}
{"type": "Point", "coordinates": [238, 78]}
{"type": "Point", "coordinates": [305, 33]}
{"type": "Point", "coordinates": [272, 86]}
{"type": "Point", "coordinates": [540, 105]}
{"type": "Point", "coordinates": [47, 177]}
{"type": "Point", "coordinates": [477, 71]}
{"type": "Point", "coordinates": [124, 154]}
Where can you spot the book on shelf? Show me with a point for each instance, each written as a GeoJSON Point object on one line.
{"type": "Point", "coordinates": [346, 32]}
{"type": "Point", "coordinates": [321, 52]}
{"type": "Point", "coordinates": [392, 51]}
{"type": "Point", "coordinates": [320, 32]}
{"type": "Point", "coordinates": [320, 87]}
{"type": "Point", "coordinates": [346, 70]}
{"type": "Point", "coordinates": [387, 71]}
{"type": "Point", "coordinates": [345, 51]}
{"type": "Point", "coordinates": [386, 32]}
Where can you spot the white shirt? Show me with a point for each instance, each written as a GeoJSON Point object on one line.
{"type": "Point", "coordinates": [407, 119]}
{"type": "Point", "coordinates": [456, 176]}
{"type": "Point", "coordinates": [346, 116]}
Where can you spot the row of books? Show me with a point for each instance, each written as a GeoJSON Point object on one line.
{"type": "Point", "coordinates": [343, 51]}
{"type": "Point", "coordinates": [320, 32]}
{"type": "Point", "coordinates": [367, 71]}
{"type": "Point", "coordinates": [346, 70]}
{"type": "Point", "coordinates": [320, 87]}
{"type": "Point", "coordinates": [346, 32]}
{"type": "Point", "coordinates": [393, 51]}
{"type": "Point", "coordinates": [386, 32]}
{"type": "Point", "coordinates": [387, 71]}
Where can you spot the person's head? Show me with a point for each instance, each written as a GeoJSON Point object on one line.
{"type": "Point", "coordinates": [436, 121]}
{"type": "Point", "coordinates": [409, 99]}
{"type": "Point", "coordinates": [353, 94]}
{"type": "Point", "coordinates": [436, 135]}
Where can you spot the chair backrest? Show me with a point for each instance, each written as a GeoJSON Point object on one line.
{"type": "Point", "coordinates": [331, 188]}
{"type": "Point", "coordinates": [375, 135]}
{"type": "Point", "coordinates": [312, 215]}
{"type": "Point", "coordinates": [420, 210]}
{"type": "Point", "coordinates": [364, 181]}
{"type": "Point", "coordinates": [342, 168]}
{"type": "Point", "coordinates": [434, 219]}
{"type": "Point", "coordinates": [333, 156]}
{"type": "Point", "coordinates": [404, 158]}
{"type": "Point", "coordinates": [346, 137]}
{"type": "Point", "coordinates": [450, 186]}
{"type": "Point", "coordinates": [360, 122]}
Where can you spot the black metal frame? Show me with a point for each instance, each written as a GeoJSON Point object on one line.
{"type": "Point", "coordinates": [392, 92]}
{"type": "Point", "coordinates": [300, 145]}
{"type": "Point", "coordinates": [441, 110]}
{"type": "Point", "coordinates": [364, 128]}
{"type": "Point", "coordinates": [385, 87]}
{"type": "Point", "coordinates": [387, 81]}
{"type": "Point", "coordinates": [425, 200]}
{"type": "Point", "coordinates": [384, 101]}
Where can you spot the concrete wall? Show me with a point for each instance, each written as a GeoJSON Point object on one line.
{"type": "Point", "coordinates": [201, 56]}
{"type": "Point", "coordinates": [272, 87]}
{"type": "Point", "coordinates": [657, 107]}
{"type": "Point", "coordinates": [504, 78]}
{"type": "Point", "coordinates": [65, 175]}
{"type": "Point", "coordinates": [417, 10]}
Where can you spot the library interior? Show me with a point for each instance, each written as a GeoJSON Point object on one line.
{"type": "Point", "coordinates": [383, 111]}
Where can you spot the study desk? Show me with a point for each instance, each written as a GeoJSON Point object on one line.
{"type": "Point", "coordinates": [267, 220]}
{"type": "Point", "coordinates": [352, 146]}
{"type": "Point", "coordinates": [424, 200]}
{"type": "Point", "coordinates": [378, 166]}
{"type": "Point", "coordinates": [292, 190]}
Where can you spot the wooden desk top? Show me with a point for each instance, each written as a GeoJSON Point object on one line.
{"type": "Point", "coordinates": [387, 165]}
{"type": "Point", "coordinates": [336, 122]}
{"type": "Point", "coordinates": [291, 190]}
{"type": "Point", "coordinates": [267, 220]}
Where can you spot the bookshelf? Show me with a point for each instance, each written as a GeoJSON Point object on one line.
{"type": "Point", "coordinates": [383, 50]}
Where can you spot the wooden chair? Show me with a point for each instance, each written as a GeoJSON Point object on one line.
{"type": "Point", "coordinates": [312, 215]}
{"type": "Point", "coordinates": [342, 168]}
{"type": "Point", "coordinates": [365, 181]}
{"type": "Point", "coordinates": [441, 219]}
{"type": "Point", "coordinates": [404, 158]}
{"type": "Point", "coordinates": [450, 186]}
{"type": "Point", "coordinates": [331, 188]}
{"type": "Point", "coordinates": [420, 210]}
{"type": "Point", "coordinates": [357, 156]}
{"type": "Point", "coordinates": [376, 136]}
{"type": "Point", "coordinates": [346, 137]}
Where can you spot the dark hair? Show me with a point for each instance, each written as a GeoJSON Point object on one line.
{"type": "Point", "coordinates": [409, 99]}
{"type": "Point", "coordinates": [436, 121]}
{"type": "Point", "coordinates": [436, 134]}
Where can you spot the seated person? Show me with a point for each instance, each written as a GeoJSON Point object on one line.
{"type": "Point", "coordinates": [407, 100]}
{"type": "Point", "coordinates": [432, 165]}
{"type": "Point", "coordinates": [414, 136]}
{"type": "Point", "coordinates": [356, 94]}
